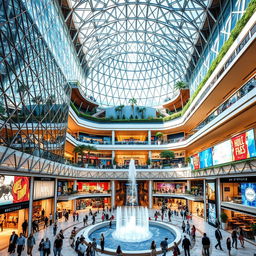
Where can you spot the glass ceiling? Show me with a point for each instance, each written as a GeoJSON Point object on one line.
{"type": "Point", "coordinates": [136, 49]}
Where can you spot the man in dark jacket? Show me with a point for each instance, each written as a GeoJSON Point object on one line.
{"type": "Point", "coordinates": [13, 242]}
{"type": "Point", "coordinates": [164, 246]}
{"type": "Point", "coordinates": [218, 236]}
{"type": "Point", "coordinates": [186, 246]}
{"type": "Point", "coordinates": [206, 245]}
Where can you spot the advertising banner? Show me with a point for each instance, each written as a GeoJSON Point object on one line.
{"type": "Point", "coordinates": [212, 213]}
{"type": "Point", "coordinates": [195, 162]}
{"type": "Point", "coordinates": [250, 139]}
{"type": "Point", "coordinates": [13, 189]}
{"type": "Point", "coordinates": [240, 149]}
{"type": "Point", "coordinates": [43, 189]}
{"type": "Point", "coordinates": [248, 191]}
{"type": "Point", "coordinates": [97, 187]}
{"type": "Point", "coordinates": [222, 153]}
{"type": "Point", "coordinates": [205, 158]}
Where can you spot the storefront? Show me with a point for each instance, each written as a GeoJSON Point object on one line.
{"type": "Point", "coordinates": [93, 187]}
{"type": "Point", "coordinates": [164, 187]}
{"type": "Point", "coordinates": [66, 205]}
{"type": "Point", "coordinates": [93, 203]}
{"type": "Point", "coordinates": [173, 203]}
{"type": "Point", "coordinates": [197, 208]}
{"type": "Point", "coordinates": [14, 202]}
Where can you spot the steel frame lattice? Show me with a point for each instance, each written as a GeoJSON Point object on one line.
{"type": "Point", "coordinates": [136, 49]}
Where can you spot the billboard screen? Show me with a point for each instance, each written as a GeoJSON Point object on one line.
{"type": "Point", "coordinates": [212, 213]}
{"type": "Point", "coordinates": [195, 162]}
{"type": "Point", "coordinates": [251, 143]}
{"type": "Point", "coordinates": [205, 158]}
{"type": "Point", "coordinates": [98, 187]}
{"type": "Point", "coordinates": [13, 189]}
{"type": "Point", "coordinates": [222, 153]}
{"type": "Point", "coordinates": [170, 187]}
{"type": "Point", "coordinates": [248, 191]}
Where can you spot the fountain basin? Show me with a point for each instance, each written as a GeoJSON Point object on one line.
{"type": "Point", "coordinates": [158, 229]}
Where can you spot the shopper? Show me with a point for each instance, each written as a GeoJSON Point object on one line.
{"type": "Point", "coordinates": [119, 251]}
{"type": "Point", "coordinates": [30, 244]}
{"type": "Point", "coordinates": [57, 247]}
{"type": "Point", "coordinates": [102, 242]}
{"type": "Point", "coordinates": [72, 237]}
{"type": "Point", "coordinates": [55, 227]}
{"type": "Point", "coordinates": [50, 218]}
{"type": "Point", "coordinates": [89, 250]}
{"type": "Point", "coordinates": [234, 238]}
{"type": "Point", "coordinates": [81, 248]}
{"type": "Point", "coordinates": [241, 236]}
{"type": "Point", "coordinates": [153, 248]}
{"type": "Point", "coordinates": [218, 236]}
{"type": "Point", "coordinates": [186, 246]}
{"type": "Point", "coordinates": [24, 227]}
{"type": "Point", "coordinates": [188, 228]}
{"type": "Point", "coordinates": [77, 243]}
{"type": "Point", "coordinates": [176, 250]}
{"type": "Point", "coordinates": [77, 216]}
{"type": "Point", "coordinates": [20, 244]}
{"type": "Point", "coordinates": [164, 246]}
{"type": "Point", "coordinates": [94, 246]}
{"type": "Point", "coordinates": [193, 232]}
{"type": "Point", "coordinates": [12, 242]}
{"type": "Point", "coordinates": [61, 234]}
{"type": "Point", "coordinates": [74, 216]}
{"type": "Point", "coordinates": [183, 226]}
{"type": "Point", "coordinates": [206, 245]}
{"type": "Point", "coordinates": [41, 247]}
{"type": "Point", "coordinates": [229, 246]}
{"type": "Point", "coordinates": [93, 219]}
{"type": "Point", "coordinates": [47, 247]}
{"type": "Point", "coordinates": [45, 222]}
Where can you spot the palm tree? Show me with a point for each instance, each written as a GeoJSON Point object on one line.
{"type": "Point", "coordinates": [167, 154]}
{"type": "Point", "coordinates": [181, 86]}
{"type": "Point", "coordinates": [133, 102]}
{"type": "Point", "coordinates": [142, 110]}
{"type": "Point", "coordinates": [80, 149]}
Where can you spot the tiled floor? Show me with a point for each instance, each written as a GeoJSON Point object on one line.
{"type": "Point", "coordinates": [249, 249]}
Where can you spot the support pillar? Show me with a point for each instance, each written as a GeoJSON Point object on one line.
{"type": "Point", "coordinates": [149, 137]}
{"type": "Point", "coordinates": [218, 197]}
{"type": "Point", "coordinates": [113, 194]}
{"type": "Point", "coordinates": [205, 217]}
{"type": "Point", "coordinates": [30, 209]}
{"type": "Point", "coordinates": [113, 156]}
{"type": "Point", "coordinates": [189, 185]}
{"type": "Point", "coordinates": [150, 194]}
{"type": "Point", "coordinates": [75, 186]}
{"type": "Point", "coordinates": [55, 200]}
{"type": "Point", "coordinates": [113, 137]}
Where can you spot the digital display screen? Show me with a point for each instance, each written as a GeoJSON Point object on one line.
{"type": "Point", "coordinates": [170, 187]}
{"type": "Point", "coordinates": [205, 158]}
{"type": "Point", "coordinates": [222, 153]}
{"type": "Point", "coordinates": [13, 189]}
{"type": "Point", "coordinates": [211, 190]}
{"type": "Point", "coordinates": [93, 186]}
{"type": "Point", "coordinates": [248, 191]}
{"type": "Point", "coordinates": [195, 162]}
{"type": "Point", "coordinates": [212, 213]}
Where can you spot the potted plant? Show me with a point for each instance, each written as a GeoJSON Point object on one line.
{"type": "Point", "coordinates": [181, 86]}
{"type": "Point", "coordinates": [159, 136]}
{"type": "Point", "coordinates": [168, 155]}
{"type": "Point", "coordinates": [80, 150]}
{"type": "Point", "coordinates": [149, 163]}
{"type": "Point", "coordinates": [224, 218]}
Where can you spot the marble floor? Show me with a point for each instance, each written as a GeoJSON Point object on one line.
{"type": "Point", "coordinates": [249, 250]}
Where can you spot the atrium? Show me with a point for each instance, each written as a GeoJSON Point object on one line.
{"type": "Point", "coordinates": [127, 127]}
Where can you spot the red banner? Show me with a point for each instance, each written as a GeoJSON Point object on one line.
{"type": "Point", "coordinates": [239, 146]}
{"type": "Point", "coordinates": [20, 189]}
{"type": "Point", "coordinates": [196, 162]}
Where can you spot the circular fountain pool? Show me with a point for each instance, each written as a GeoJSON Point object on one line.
{"type": "Point", "coordinates": [158, 230]}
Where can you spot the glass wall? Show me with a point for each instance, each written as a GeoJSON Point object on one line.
{"type": "Point", "coordinates": [34, 93]}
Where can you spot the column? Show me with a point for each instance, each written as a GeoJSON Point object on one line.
{"type": "Point", "coordinates": [149, 137]}
{"type": "Point", "coordinates": [205, 218]}
{"type": "Point", "coordinates": [189, 185]}
{"type": "Point", "coordinates": [55, 199]}
{"type": "Point", "coordinates": [74, 204]}
{"type": "Point", "coordinates": [113, 194]}
{"type": "Point", "coordinates": [113, 137]}
{"type": "Point", "coordinates": [218, 197]}
{"type": "Point", "coordinates": [150, 194]}
{"type": "Point", "coordinates": [113, 156]}
{"type": "Point", "coordinates": [75, 186]}
{"type": "Point", "coordinates": [30, 209]}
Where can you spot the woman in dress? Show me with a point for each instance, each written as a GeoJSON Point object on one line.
{"type": "Point", "coordinates": [153, 248]}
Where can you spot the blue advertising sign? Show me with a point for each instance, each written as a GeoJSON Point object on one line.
{"type": "Point", "coordinates": [205, 158]}
{"type": "Point", "coordinates": [248, 191]}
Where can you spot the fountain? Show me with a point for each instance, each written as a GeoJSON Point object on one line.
{"type": "Point", "coordinates": [132, 223]}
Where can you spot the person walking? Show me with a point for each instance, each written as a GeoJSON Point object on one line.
{"type": "Point", "coordinates": [183, 226]}
{"type": "Point", "coordinates": [102, 242]}
{"type": "Point", "coordinates": [57, 247]}
{"type": "Point", "coordinates": [241, 236]}
{"type": "Point", "coordinates": [12, 242]}
{"type": "Point", "coordinates": [77, 243]}
{"type": "Point", "coordinates": [169, 215]}
{"type": "Point", "coordinates": [94, 246]}
{"type": "Point", "coordinates": [84, 220]}
{"type": "Point", "coordinates": [74, 216]}
{"type": "Point", "coordinates": [47, 247]}
{"type": "Point", "coordinates": [228, 242]}
{"type": "Point", "coordinates": [55, 227]}
{"type": "Point", "coordinates": [153, 248]}
{"type": "Point", "coordinates": [188, 228]}
{"type": "Point", "coordinates": [234, 238]}
{"type": "Point", "coordinates": [176, 250]}
{"type": "Point", "coordinates": [24, 227]}
{"type": "Point", "coordinates": [119, 251]}
{"type": "Point", "coordinates": [45, 222]}
{"type": "Point", "coordinates": [72, 237]}
{"type": "Point", "coordinates": [20, 244]}
{"type": "Point", "coordinates": [193, 232]}
{"type": "Point", "coordinates": [81, 250]}
{"type": "Point", "coordinates": [50, 218]}
{"type": "Point", "coordinates": [206, 245]}
{"type": "Point", "coordinates": [218, 236]}
{"type": "Point", "coordinates": [41, 247]}
{"type": "Point", "coordinates": [89, 250]}
{"type": "Point", "coordinates": [30, 244]}
{"type": "Point", "coordinates": [93, 219]}
{"type": "Point", "coordinates": [164, 245]}
{"type": "Point", "coordinates": [186, 246]}
{"type": "Point", "coordinates": [77, 216]}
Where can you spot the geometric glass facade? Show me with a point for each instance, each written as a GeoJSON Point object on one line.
{"type": "Point", "coordinates": [34, 93]}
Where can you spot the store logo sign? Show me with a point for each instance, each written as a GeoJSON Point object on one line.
{"type": "Point", "coordinates": [250, 194]}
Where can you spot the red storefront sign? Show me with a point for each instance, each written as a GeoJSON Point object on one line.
{"type": "Point", "coordinates": [239, 147]}
{"type": "Point", "coordinates": [196, 162]}
{"type": "Point", "coordinates": [20, 189]}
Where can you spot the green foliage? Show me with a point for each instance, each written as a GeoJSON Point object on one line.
{"type": "Point", "coordinates": [159, 135]}
{"type": "Point", "coordinates": [133, 101]}
{"type": "Point", "coordinates": [167, 154]}
{"type": "Point", "coordinates": [181, 85]}
{"type": "Point", "coordinates": [149, 161]}
{"type": "Point", "coordinates": [224, 217]}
